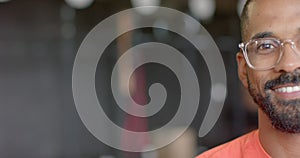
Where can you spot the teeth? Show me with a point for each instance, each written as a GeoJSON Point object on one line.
{"type": "Point", "coordinates": [288, 89]}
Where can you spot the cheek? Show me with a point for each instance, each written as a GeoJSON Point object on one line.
{"type": "Point", "coordinates": [257, 81]}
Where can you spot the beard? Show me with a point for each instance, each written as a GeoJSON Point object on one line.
{"type": "Point", "coordinates": [283, 114]}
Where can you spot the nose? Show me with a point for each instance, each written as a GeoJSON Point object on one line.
{"type": "Point", "coordinates": [290, 59]}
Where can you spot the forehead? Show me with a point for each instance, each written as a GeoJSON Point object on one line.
{"type": "Point", "coordinates": [281, 17]}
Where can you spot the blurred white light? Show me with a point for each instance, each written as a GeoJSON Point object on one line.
{"type": "Point", "coordinates": [3, 1]}
{"type": "Point", "coordinates": [67, 13]}
{"type": "Point", "coordinates": [240, 6]}
{"type": "Point", "coordinates": [68, 30]}
{"type": "Point", "coordinates": [142, 3]}
{"type": "Point", "coordinates": [79, 4]}
{"type": "Point", "coordinates": [202, 9]}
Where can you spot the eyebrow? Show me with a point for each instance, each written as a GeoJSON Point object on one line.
{"type": "Point", "coordinates": [263, 35]}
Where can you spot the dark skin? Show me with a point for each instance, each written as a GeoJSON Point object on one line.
{"type": "Point", "coordinates": [278, 19]}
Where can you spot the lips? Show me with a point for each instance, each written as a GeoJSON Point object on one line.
{"type": "Point", "coordinates": [286, 86]}
{"type": "Point", "coordinates": [287, 91]}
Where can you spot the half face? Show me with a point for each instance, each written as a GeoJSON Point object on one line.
{"type": "Point", "coordinates": [277, 90]}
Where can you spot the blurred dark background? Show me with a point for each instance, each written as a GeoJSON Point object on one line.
{"type": "Point", "coordinates": [39, 40]}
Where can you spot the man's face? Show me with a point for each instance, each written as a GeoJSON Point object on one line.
{"type": "Point", "coordinates": [277, 90]}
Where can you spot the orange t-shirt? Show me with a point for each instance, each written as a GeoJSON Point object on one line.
{"type": "Point", "coordinates": [246, 146]}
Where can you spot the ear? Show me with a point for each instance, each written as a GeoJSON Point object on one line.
{"type": "Point", "coordinates": [242, 68]}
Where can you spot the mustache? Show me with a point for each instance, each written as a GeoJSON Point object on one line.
{"type": "Point", "coordinates": [284, 78]}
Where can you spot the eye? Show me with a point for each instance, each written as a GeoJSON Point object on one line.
{"type": "Point", "coordinates": [265, 46]}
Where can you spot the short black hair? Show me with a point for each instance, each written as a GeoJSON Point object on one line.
{"type": "Point", "coordinates": [244, 18]}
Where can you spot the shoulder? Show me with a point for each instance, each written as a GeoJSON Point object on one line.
{"type": "Point", "coordinates": [234, 148]}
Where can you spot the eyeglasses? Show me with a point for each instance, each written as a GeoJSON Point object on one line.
{"type": "Point", "coordinates": [266, 53]}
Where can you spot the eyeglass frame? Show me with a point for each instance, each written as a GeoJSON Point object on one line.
{"type": "Point", "coordinates": [243, 47]}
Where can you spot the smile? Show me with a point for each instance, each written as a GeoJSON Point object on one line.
{"type": "Point", "coordinates": [289, 89]}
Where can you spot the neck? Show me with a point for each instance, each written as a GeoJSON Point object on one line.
{"type": "Point", "coordinates": [276, 143]}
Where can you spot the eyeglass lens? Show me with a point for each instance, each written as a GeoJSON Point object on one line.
{"type": "Point", "coordinates": [266, 52]}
